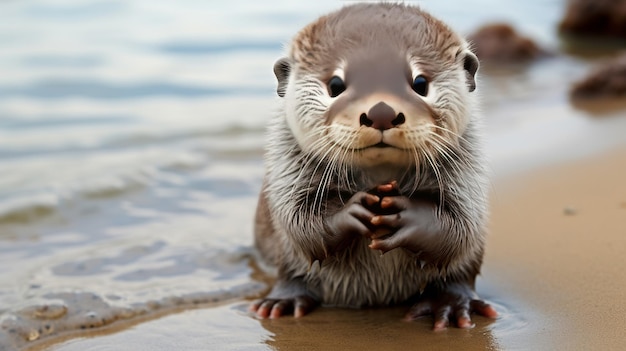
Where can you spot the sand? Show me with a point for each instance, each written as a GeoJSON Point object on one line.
{"type": "Point", "coordinates": [559, 247]}
{"type": "Point", "coordinates": [554, 269]}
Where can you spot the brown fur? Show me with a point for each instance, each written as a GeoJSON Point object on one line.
{"type": "Point", "coordinates": [320, 46]}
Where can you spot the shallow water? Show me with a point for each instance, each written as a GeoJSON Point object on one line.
{"type": "Point", "coordinates": [131, 142]}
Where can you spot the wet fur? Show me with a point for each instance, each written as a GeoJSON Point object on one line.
{"type": "Point", "coordinates": [309, 177]}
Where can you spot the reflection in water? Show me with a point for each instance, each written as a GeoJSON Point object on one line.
{"type": "Point", "coordinates": [373, 329]}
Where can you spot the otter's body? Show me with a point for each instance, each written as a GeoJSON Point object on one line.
{"type": "Point", "coordinates": [375, 149]}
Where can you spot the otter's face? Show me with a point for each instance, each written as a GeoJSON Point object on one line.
{"type": "Point", "coordinates": [366, 94]}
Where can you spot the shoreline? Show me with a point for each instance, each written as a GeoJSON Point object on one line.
{"type": "Point", "coordinates": [555, 281]}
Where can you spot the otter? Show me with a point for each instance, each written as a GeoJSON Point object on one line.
{"type": "Point", "coordinates": [374, 192]}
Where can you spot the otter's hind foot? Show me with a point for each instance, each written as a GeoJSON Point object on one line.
{"type": "Point", "coordinates": [454, 303]}
{"type": "Point", "coordinates": [274, 308]}
{"type": "Point", "coordinates": [287, 297]}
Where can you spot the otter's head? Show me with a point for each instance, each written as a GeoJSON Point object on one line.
{"type": "Point", "coordinates": [377, 84]}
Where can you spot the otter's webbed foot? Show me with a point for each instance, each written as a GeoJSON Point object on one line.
{"type": "Point", "coordinates": [452, 303]}
{"type": "Point", "coordinates": [286, 298]}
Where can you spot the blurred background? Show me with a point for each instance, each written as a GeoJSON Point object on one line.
{"type": "Point", "coordinates": [131, 138]}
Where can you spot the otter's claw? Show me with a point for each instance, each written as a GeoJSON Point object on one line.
{"type": "Point", "coordinates": [274, 308]}
{"type": "Point", "coordinates": [454, 304]}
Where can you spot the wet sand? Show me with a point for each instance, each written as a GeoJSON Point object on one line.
{"type": "Point", "coordinates": [559, 247]}
{"type": "Point", "coordinates": [554, 269]}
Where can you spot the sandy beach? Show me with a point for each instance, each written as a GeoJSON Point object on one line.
{"type": "Point", "coordinates": [559, 245]}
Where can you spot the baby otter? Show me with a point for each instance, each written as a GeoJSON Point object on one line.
{"type": "Point", "coordinates": [375, 149]}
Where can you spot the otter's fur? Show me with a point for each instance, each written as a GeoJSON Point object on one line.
{"type": "Point", "coordinates": [314, 165]}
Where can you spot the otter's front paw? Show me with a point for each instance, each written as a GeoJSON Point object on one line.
{"type": "Point", "coordinates": [454, 303]}
{"type": "Point", "coordinates": [413, 224]}
{"type": "Point", "coordinates": [274, 308]}
{"type": "Point", "coordinates": [351, 221]}
{"type": "Point", "coordinates": [405, 222]}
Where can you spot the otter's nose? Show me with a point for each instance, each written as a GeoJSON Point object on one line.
{"type": "Point", "coordinates": [381, 116]}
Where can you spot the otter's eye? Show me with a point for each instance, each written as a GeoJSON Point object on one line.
{"type": "Point", "coordinates": [336, 86]}
{"type": "Point", "coordinates": [420, 85]}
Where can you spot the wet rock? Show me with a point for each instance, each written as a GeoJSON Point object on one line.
{"type": "Point", "coordinates": [77, 311]}
{"type": "Point", "coordinates": [606, 81]}
{"type": "Point", "coordinates": [32, 335]}
{"type": "Point", "coordinates": [595, 18]}
{"type": "Point", "coordinates": [500, 43]}
{"type": "Point", "coordinates": [46, 311]}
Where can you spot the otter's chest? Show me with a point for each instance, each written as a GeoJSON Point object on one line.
{"type": "Point", "coordinates": [363, 277]}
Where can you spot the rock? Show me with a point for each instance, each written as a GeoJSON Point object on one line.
{"type": "Point", "coordinates": [608, 80]}
{"type": "Point", "coordinates": [595, 18]}
{"type": "Point", "coordinates": [501, 44]}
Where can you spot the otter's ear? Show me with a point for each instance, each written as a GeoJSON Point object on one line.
{"type": "Point", "coordinates": [470, 64]}
{"type": "Point", "coordinates": [281, 70]}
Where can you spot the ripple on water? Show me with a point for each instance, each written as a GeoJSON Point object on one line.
{"type": "Point", "coordinates": [28, 209]}
{"type": "Point", "coordinates": [63, 88]}
{"type": "Point", "coordinates": [175, 244]}
{"type": "Point", "coordinates": [511, 323]}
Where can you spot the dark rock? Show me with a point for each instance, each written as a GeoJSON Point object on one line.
{"type": "Point", "coordinates": [501, 44]}
{"type": "Point", "coordinates": [595, 18]}
{"type": "Point", "coordinates": [608, 80]}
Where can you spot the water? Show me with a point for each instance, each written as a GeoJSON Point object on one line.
{"type": "Point", "coordinates": [131, 138]}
